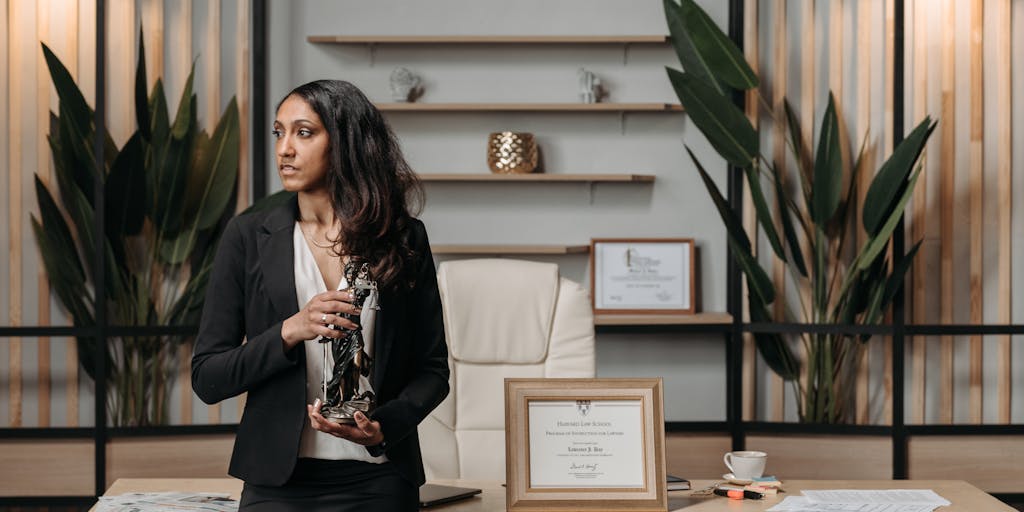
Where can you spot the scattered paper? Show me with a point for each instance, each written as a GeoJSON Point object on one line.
{"type": "Point", "coordinates": [169, 501]}
{"type": "Point", "coordinates": [908, 496]}
{"type": "Point", "coordinates": [894, 500]}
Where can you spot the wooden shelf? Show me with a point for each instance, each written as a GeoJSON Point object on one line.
{"type": "Point", "coordinates": [529, 107]}
{"type": "Point", "coordinates": [538, 178]}
{"type": "Point", "coordinates": [499, 250]}
{"type": "Point", "coordinates": [480, 39]}
{"type": "Point", "coordinates": [697, 318]}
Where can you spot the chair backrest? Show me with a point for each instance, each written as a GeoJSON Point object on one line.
{"type": "Point", "coordinates": [503, 318]}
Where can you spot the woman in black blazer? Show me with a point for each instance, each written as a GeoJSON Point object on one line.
{"type": "Point", "coordinates": [353, 196]}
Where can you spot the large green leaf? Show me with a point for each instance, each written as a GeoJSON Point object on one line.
{"type": "Point", "coordinates": [173, 171]}
{"type": "Point", "coordinates": [77, 162]}
{"type": "Point", "coordinates": [895, 281]}
{"type": "Point", "coordinates": [188, 306]}
{"type": "Point", "coordinates": [186, 114]}
{"type": "Point", "coordinates": [725, 126]}
{"type": "Point", "coordinates": [787, 224]}
{"type": "Point", "coordinates": [58, 237]}
{"type": "Point", "coordinates": [141, 102]}
{"type": "Point", "coordinates": [874, 245]}
{"type": "Point", "coordinates": [692, 61]}
{"type": "Point", "coordinates": [125, 189]}
{"type": "Point", "coordinates": [801, 153]}
{"type": "Point", "coordinates": [891, 179]}
{"type": "Point", "coordinates": [828, 168]}
{"type": "Point", "coordinates": [211, 185]}
{"type": "Point", "coordinates": [773, 348]}
{"type": "Point", "coordinates": [175, 250]}
{"type": "Point", "coordinates": [724, 60]}
{"type": "Point", "coordinates": [764, 213]}
{"type": "Point", "coordinates": [72, 102]}
{"type": "Point", "coordinates": [760, 284]}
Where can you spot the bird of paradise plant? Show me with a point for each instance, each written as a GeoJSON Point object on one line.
{"type": "Point", "coordinates": [168, 191]}
{"type": "Point", "coordinates": [847, 285]}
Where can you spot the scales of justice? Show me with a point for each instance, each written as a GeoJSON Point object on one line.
{"type": "Point", "coordinates": [346, 388]}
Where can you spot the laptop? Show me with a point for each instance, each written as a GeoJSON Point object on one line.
{"type": "Point", "coordinates": [435, 494]}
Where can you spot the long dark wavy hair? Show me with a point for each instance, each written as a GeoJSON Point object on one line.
{"type": "Point", "coordinates": [373, 190]}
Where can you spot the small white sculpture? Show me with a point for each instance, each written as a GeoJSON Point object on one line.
{"type": "Point", "coordinates": [590, 86]}
{"type": "Point", "coordinates": [404, 85]}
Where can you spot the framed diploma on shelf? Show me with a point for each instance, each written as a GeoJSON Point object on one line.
{"type": "Point", "coordinates": [643, 275]}
{"type": "Point", "coordinates": [585, 444]}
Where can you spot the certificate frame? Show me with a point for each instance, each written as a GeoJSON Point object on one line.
{"type": "Point", "coordinates": [609, 266]}
{"type": "Point", "coordinates": [523, 494]}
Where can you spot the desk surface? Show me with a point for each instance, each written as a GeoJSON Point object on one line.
{"type": "Point", "coordinates": [964, 497]}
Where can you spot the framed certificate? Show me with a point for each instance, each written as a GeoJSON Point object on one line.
{"type": "Point", "coordinates": [585, 444]}
{"type": "Point", "coordinates": [647, 275]}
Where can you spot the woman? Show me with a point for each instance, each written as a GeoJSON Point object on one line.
{"type": "Point", "coordinates": [353, 194]}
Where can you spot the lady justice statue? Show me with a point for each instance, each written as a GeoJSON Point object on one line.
{"type": "Point", "coordinates": [347, 388]}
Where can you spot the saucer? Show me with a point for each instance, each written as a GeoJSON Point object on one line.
{"type": "Point", "coordinates": [732, 479]}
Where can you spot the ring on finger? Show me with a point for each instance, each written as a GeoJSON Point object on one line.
{"type": "Point", "coordinates": [323, 318]}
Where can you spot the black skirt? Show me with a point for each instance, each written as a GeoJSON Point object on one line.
{"type": "Point", "coordinates": [335, 486]}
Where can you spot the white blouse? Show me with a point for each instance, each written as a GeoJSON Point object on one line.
{"type": "Point", "coordinates": [308, 283]}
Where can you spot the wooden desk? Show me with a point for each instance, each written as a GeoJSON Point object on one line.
{"type": "Point", "coordinates": [964, 497]}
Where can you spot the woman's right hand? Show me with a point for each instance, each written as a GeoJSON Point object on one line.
{"type": "Point", "coordinates": [315, 317]}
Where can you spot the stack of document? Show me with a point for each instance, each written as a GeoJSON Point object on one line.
{"type": "Point", "coordinates": [153, 501]}
{"type": "Point", "coordinates": [842, 500]}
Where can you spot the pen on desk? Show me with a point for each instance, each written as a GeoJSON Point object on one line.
{"type": "Point", "coordinates": [738, 494]}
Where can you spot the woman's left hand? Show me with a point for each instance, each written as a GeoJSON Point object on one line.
{"type": "Point", "coordinates": [364, 432]}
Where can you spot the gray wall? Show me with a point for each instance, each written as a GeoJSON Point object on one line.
{"type": "Point", "coordinates": [676, 205]}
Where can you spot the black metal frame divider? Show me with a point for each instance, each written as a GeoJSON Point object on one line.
{"type": "Point", "coordinates": [733, 425]}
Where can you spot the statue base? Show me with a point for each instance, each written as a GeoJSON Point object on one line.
{"type": "Point", "coordinates": [345, 413]}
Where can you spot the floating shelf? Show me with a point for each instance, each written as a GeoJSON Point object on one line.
{"type": "Point", "coordinates": [538, 178]}
{"type": "Point", "coordinates": [529, 107]}
{"type": "Point", "coordinates": [479, 39]}
{"type": "Point", "coordinates": [654, 319]}
{"type": "Point", "coordinates": [498, 250]}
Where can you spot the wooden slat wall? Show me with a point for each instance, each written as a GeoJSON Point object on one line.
{"type": "Point", "coordinates": [68, 27]}
{"type": "Point", "coordinates": [965, 47]}
{"type": "Point", "coordinates": [956, 53]}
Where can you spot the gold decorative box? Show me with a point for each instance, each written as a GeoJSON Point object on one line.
{"type": "Point", "coordinates": [511, 153]}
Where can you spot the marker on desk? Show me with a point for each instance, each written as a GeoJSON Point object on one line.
{"type": "Point", "coordinates": [738, 494]}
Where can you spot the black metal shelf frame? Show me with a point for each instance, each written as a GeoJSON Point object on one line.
{"type": "Point", "coordinates": [734, 425]}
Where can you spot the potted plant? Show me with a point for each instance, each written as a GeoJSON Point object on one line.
{"type": "Point", "coordinates": [168, 192]}
{"type": "Point", "coordinates": [812, 230]}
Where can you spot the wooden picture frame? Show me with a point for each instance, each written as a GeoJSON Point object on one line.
{"type": "Point", "coordinates": [642, 275]}
{"type": "Point", "coordinates": [585, 445]}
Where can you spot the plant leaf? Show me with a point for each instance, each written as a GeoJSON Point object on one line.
{"type": "Point", "coordinates": [141, 102]}
{"type": "Point", "coordinates": [184, 118]}
{"type": "Point", "coordinates": [828, 168]}
{"type": "Point", "coordinates": [72, 102]}
{"type": "Point", "coordinates": [211, 188]}
{"type": "Point", "coordinates": [891, 179]}
{"type": "Point", "coordinates": [801, 153]}
{"type": "Point", "coordinates": [725, 126]}
{"type": "Point", "coordinates": [724, 60]}
{"type": "Point", "coordinates": [787, 226]}
{"type": "Point", "coordinates": [176, 250]}
{"type": "Point", "coordinates": [764, 214]}
{"type": "Point", "coordinates": [125, 190]}
{"type": "Point", "coordinates": [876, 243]}
{"type": "Point", "coordinates": [58, 237]}
{"type": "Point", "coordinates": [775, 351]}
{"type": "Point", "coordinates": [898, 274]}
{"type": "Point", "coordinates": [692, 60]}
{"type": "Point", "coordinates": [760, 284]}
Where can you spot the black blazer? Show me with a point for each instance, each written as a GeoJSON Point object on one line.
{"type": "Point", "coordinates": [251, 292]}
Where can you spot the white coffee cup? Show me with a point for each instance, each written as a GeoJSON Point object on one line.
{"type": "Point", "coordinates": [746, 465]}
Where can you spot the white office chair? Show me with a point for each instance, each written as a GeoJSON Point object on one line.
{"type": "Point", "coordinates": [503, 318]}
